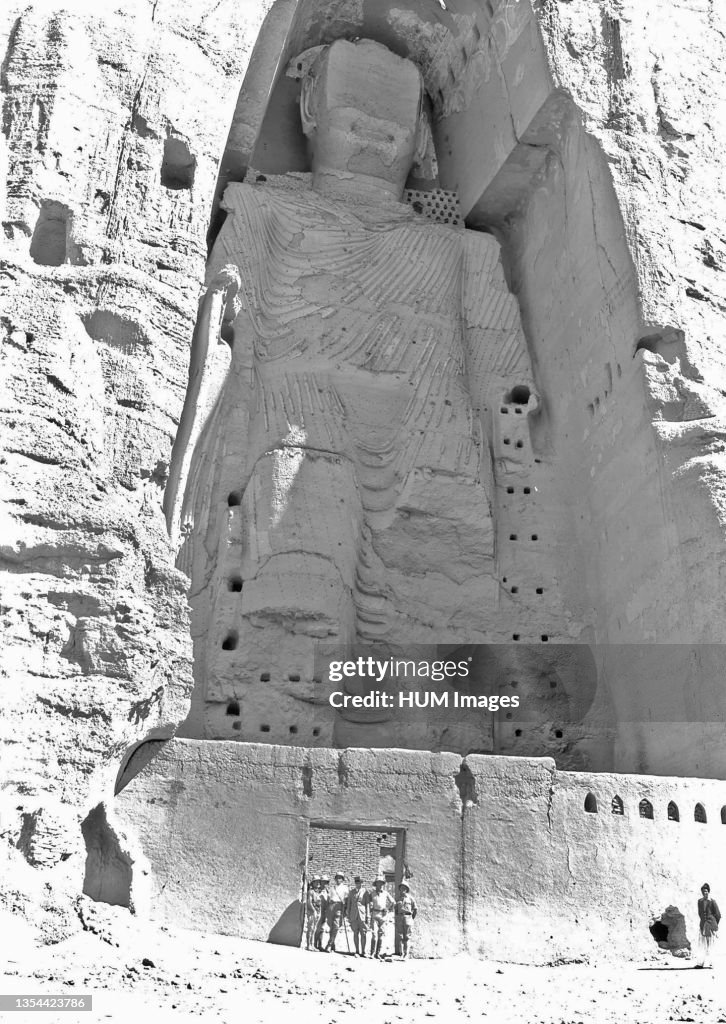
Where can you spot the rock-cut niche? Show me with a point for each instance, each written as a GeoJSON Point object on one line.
{"type": "Point", "coordinates": [337, 480]}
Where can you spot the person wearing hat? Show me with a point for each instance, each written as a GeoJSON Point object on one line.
{"type": "Point", "coordinates": [356, 910]}
{"type": "Point", "coordinates": [406, 911]}
{"type": "Point", "coordinates": [312, 909]}
{"type": "Point", "coordinates": [324, 905]}
{"type": "Point", "coordinates": [336, 910]}
{"type": "Point", "coordinates": [380, 904]}
{"type": "Point", "coordinates": [709, 916]}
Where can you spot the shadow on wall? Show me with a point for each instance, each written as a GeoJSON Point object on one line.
{"type": "Point", "coordinates": [287, 930]}
{"type": "Point", "coordinates": [108, 868]}
{"type": "Point", "coordinates": [136, 758]}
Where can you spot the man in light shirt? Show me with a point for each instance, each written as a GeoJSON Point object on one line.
{"type": "Point", "coordinates": [406, 911]}
{"type": "Point", "coordinates": [338, 900]}
{"type": "Point", "coordinates": [381, 905]}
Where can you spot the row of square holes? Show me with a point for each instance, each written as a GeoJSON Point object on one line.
{"type": "Point", "coordinates": [232, 639]}
{"type": "Point", "coordinates": [518, 732]}
{"type": "Point", "coordinates": [518, 410]}
{"type": "Point", "coordinates": [513, 536]}
{"type": "Point", "coordinates": [515, 589]}
{"type": "Point", "coordinates": [233, 709]}
{"type": "Point", "coordinates": [514, 683]}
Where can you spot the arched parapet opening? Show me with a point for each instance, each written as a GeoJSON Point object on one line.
{"type": "Point", "coordinates": [645, 809]}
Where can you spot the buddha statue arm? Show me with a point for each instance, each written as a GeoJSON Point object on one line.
{"type": "Point", "coordinates": [208, 368]}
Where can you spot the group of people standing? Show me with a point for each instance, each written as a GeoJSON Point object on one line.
{"type": "Point", "coordinates": [358, 911]}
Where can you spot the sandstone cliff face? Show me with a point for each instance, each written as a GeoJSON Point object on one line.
{"type": "Point", "coordinates": [113, 126]}
{"type": "Point", "coordinates": [648, 78]}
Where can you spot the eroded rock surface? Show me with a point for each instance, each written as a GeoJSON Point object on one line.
{"type": "Point", "coordinates": [111, 158]}
{"type": "Point", "coordinates": [113, 126]}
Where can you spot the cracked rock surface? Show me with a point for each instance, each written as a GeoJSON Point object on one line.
{"type": "Point", "coordinates": [111, 160]}
{"type": "Point", "coordinates": [113, 126]}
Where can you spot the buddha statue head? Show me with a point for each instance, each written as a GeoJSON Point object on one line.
{"type": "Point", "coordinates": [361, 110]}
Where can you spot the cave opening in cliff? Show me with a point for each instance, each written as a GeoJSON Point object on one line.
{"type": "Point", "coordinates": [49, 244]}
{"type": "Point", "coordinates": [520, 394]}
{"type": "Point", "coordinates": [178, 166]}
{"type": "Point", "coordinates": [591, 803]}
{"type": "Point", "coordinates": [230, 641]}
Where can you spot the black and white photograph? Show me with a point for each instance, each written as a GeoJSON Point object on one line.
{"type": "Point", "coordinates": [363, 511]}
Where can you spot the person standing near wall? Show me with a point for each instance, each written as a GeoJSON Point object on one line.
{"type": "Point", "coordinates": [324, 905]}
{"type": "Point", "coordinates": [357, 912]}
{"type": "Point", "coordinates": [338, 901]}
{"type": "Point", "coordinates": [406, 911]}
{"type": "Point", "coordinates": [312, 908]}
{"type": "Point", "coordinates": [381, 904]}
{"type": "Point", "coordinates": [709, 916]}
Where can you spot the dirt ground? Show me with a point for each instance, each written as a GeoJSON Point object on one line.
{"type": "Point", "coordinates": [193, 976]}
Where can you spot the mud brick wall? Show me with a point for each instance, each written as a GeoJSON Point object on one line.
{"type": "Point", "coordinates": [505, 859]}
